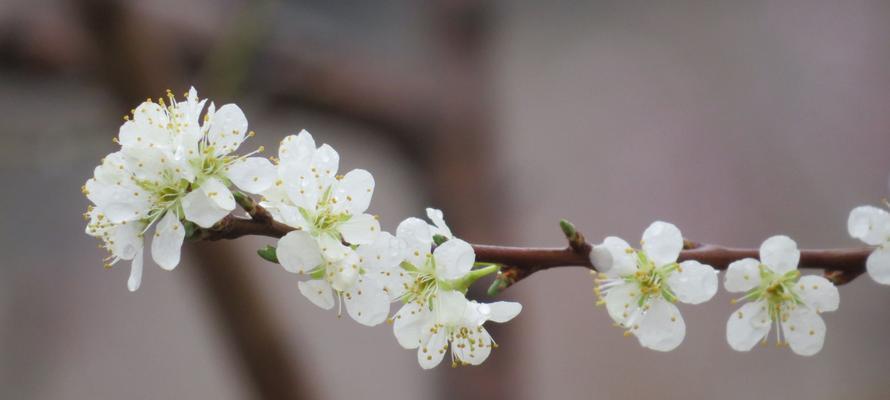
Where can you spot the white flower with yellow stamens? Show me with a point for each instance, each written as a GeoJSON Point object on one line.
{"type": "Point", "coordinates": [170, 168]}
{"type": "Point", "coordinates": [777, 297]}
{"type": "Point", "coordinates": [871, 225]}
{"type": "Point", "coordinates": [639, 287]}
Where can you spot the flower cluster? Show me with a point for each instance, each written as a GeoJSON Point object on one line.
{"type": "Point", "coordinates": [173, 166]}
{"type": "Point", "coordinates": [176, 172]}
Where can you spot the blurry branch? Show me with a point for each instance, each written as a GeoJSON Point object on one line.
{"type": "Point", "coordinates": [518, 263]}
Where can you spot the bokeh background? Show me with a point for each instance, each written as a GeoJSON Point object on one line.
{"type": "Point", "coordinates": [734, 120]}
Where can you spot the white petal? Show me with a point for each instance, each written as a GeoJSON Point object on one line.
{"type": "Point", "coordinates": [208, 204]}
{"type": "Point", "coordinates": [332, 248]}
{"type": "Point", "coordinates": [438, 219]}
{"type": "Point", "coordinates": [325, 163]}
{"type": "Point", "coordinates": [818, 293]}
{"type": "Point", "coordinates": [344, 274]}
{"type": "Point", "coordinates": [408, 323]}
{"type": "Point", "coordinates": [780, 254]}
{"type": "Point", "coordinates": [135, 279]}
{"type": "Point", "coordinates": [318, 292]}
{"type": "Point", "coordinates": [878, 265]}
{"type": "Point", "coordinates": [621, 259]}
{"type": "Point", "coordinates": [352, 193]}
{"type": "Point", "coordinates": [473, 349]}
{"type": "Point", "coordinates": [367, 303]}
{"type": "Point", "coordinates": [805, 331]}
{"type": "Point", "coordinates": [747, 326]}
{"type": "Point", "coordinates": [501, 311]}
{"type": "Point", "coordinates": [383, 253]}
{"type": "Point", "coordinates": [869, 224]}
{"type": "Point", "coordinates": [742, 275]}
{"type": "Point", "coordinates": [622, 302]}
{"type": "Point", "coordinates": [431, 352]}
{"type": "Point", "coordinates": [454, 259]}
{"type": "Point", "coordinates": [662, 327]}
{"type": "Point", "coordinates": [227, 129]}
{"type": "Point", "coordinates": [296, 151]}
{"type": "Point", "coordinates": [253, 174]}
{"type": "Point", "coordinates": [694, 282]}
{"type": "Point", "coordinates": [662, 242]}
{"type": "Point", "coordinates": [167, 242]}
{"type": "Point", "coordinates": [298, 252]}
{"type": "Point", "coordinates": [452, 308]}
{"type": "Point", "coordinates": [417, 238]}
{"type": "Point", "coordinates": [360, 229]}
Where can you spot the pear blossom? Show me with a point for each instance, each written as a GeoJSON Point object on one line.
{"type": "Point", "coordinates": [777, 295]}
{"type": "Point", "coordinates": [436, 312]}
{"type": "Point", "coordinates": [169, 168]}
{"type": "Point", "coordinates": [639, 287]}
{"type": "Point", "coordinates": [871, 225]}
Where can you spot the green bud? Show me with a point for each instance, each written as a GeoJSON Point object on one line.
{"type": "Point", "coordinates": [568, 229]}
{"type": "Point", "coordinates": [500, 283]}
{"type": "Point", "coordinates": [439, 239]}
{"type": "Point", "coordinates": [268, 253]}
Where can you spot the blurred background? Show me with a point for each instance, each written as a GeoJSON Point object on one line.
{"type": "Point", "coordinates": [733, 120]}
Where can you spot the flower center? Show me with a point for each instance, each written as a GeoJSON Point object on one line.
{"type": "Point", "coordinates": [651, 279]}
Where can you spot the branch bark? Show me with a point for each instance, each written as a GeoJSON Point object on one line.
{"type": "Point", "coordinates": [840, 265]}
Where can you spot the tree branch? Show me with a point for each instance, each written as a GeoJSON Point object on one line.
{"type": "Point", "coordinates": [840, 265]}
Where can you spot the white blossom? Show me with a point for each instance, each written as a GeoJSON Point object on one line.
{"type": "Point", "coordinates": [436, 312]}
{"type": "Point", "coordinates": [169, 168]}
{"type": "Point", "coordinates": [335, 242]}
{"type": "Point", "coordinates": [777, 297]}
{"type": "Point", "coordinates": [639, 287]}
{"type": "Point", "coordinates": [871, 225]}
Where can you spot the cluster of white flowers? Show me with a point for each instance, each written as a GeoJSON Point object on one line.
{"type": "Point", "coordinates": [175, 171]}
{"type": "Point", "coordinates": [171, 168]}
{"type": "Point", "coordinates": [639, 289]}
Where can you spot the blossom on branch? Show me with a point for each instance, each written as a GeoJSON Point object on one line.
{"type": "Point", "coordinates": [871, 225]}
{"type": "Point", "coordinates": [433, 284]}
{"type": "Point", "coordinates": [777, 297]}
{"type": "Point", "coordinates": [170, 168]}
{"type": "Point", "coordinates": [639, 287]}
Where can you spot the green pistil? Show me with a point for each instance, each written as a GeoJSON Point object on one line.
{"type": "Point", "coordinates": [651, 279]}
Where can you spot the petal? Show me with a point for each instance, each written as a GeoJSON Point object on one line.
{"type": "Point", "coordinates": [296, 151]}
{"type": "Point", "coordinates": [780, 254]}
{"type": "Point", "coordinates": [318, 292]}
{"type": "Point", "coordinates": [438, 219]}
{"type": "Point", "coordinates": [661, 328]}
{"type": "Point", "coordinates": [662, 243]}
{"type": "Point", "coordinates": [804, 331]}
{"type": "Point", "coordinates": [202, 210]}
{"type": "Point", "coordinates": [325, 163]}
{"type": "Point", "coordinates": [742, 275]}
{"type": "Point", "coordinates": [452, 309]}
{"type": "Point", "coordinates": [135, 279]}
{"type": "Point", "coordinates": [417, 238]}
{"type": "Point", "coordinates": [747, 326]}
{"type": "Point", "coordinates": [694, 282]}
{"type": "Point", "coordinates": [432, 350]}
{"type": "Point", "coordinates": [500, 311]}
{"type": "Point", "coordinates": [622, 302]}
{"type": "Point", "coordinates": [167, 243]}
{"type": "Point", "coordinates": [818, 293]}
{"type": "Point", "coordinates": [385, 252]}
{"type": "Point", "coordinates": [360, 229]}
{"type": "Point", "coordinates": [332, 247]}
{"type": "Point", "coordinates": [614, 257]}
{"type": "Point", "coordinates": [408, 323]}
{"type": "Point", "coordinates": [253, 174]}
{"type": "Point", "coordinates": [869, 224]}
{"type": "Point", "coordinates": [454, 259]}
{"type": "Point", "coordinates": [367, 303]}
{"type": "Point", "coordinates": [878, 265]}
{"type": "Point", "coordinates": [352, 194]}
{"type": "Point", "coordinates": [474, 348]}
{"type": "Point", "coordinates": [344, 274]}
{"type": "Point", "coordinates": [298, 252]}
{"type": "Point", "coordinates": [227, 129]}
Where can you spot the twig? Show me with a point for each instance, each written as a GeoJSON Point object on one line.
{"type": "Point", "coordinates": [840, 265]}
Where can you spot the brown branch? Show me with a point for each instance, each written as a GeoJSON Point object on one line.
{"type": "Point", "coordinates": [840, 265]}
